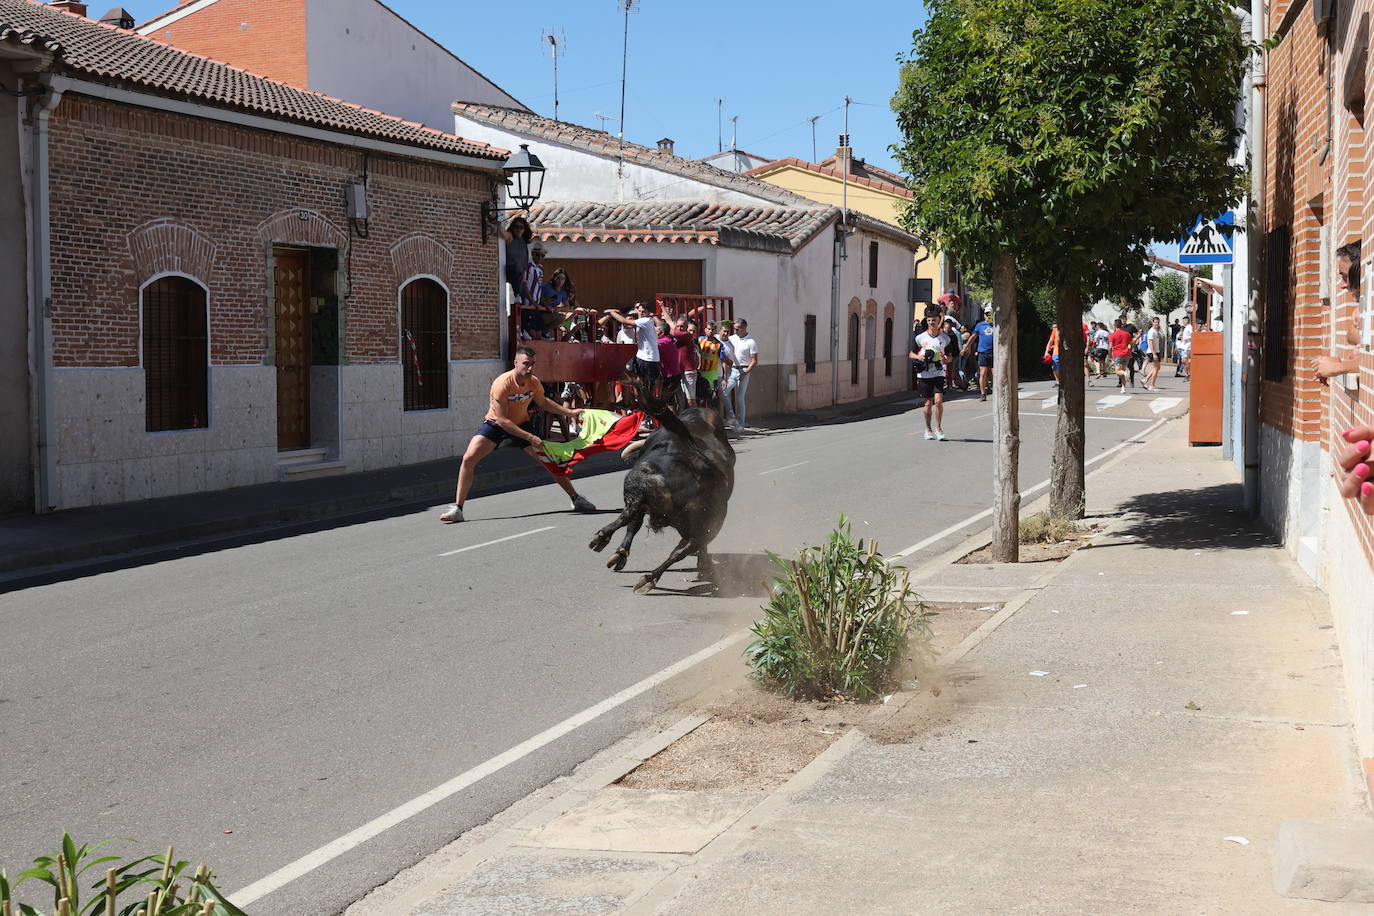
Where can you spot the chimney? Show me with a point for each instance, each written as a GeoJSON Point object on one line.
{"type": "Point", "coordinates": [666, 145]}
{"type": "Point", "coordinates": [71, 6]}
{"type": "Point", "coordinates": [843, 154]}
{"type": "Point", "coordinates": [119, 17]}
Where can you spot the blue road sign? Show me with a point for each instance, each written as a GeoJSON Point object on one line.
{"type": "Point", "coordinates": [1209, 241]}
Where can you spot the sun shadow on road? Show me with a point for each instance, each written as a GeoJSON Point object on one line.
{"type": "Point", "coordinates": [738, 575]}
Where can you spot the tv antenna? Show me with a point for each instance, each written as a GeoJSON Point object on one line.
{"type": "Point", "coordinates": [813, 121]}
{"type": "Point", "coordinates": [720, 136]}
{"type": "Point", "coordinates": [557, 43]}
{"type": "Point", "coordinates": [603, 119]}
{"type": "Point", "coordinates": [629, 7]}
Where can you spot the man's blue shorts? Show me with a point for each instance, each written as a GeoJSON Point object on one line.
{"type": "Point", "coordinates": [984, 359]}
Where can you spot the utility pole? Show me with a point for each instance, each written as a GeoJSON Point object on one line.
{"type": "Point", "coordinates": [837, 262]}
{"type": "Point", "coordinates": [555, 49]}
{"type": "Point", "coordinates": [813, 136]}
{"type": "Point", "coordinates": [720, 133]}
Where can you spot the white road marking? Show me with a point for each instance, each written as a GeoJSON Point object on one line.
{"type": "Point", "coordinates": [354, 838]}
{"type": "Point", "coordinates": [979, 516]}
{"type": "Point", "coordinates": [509, 537]}
{"type": "Point", "coordinates": [1050, 402]}
{"type": "Point", "coordinates": [1052, 416]}
{"type": "Point", "coordinates": [1113, 400]}
{"type": "Point", "coordinates": [785, 467]}
{"type": "Point", "coordinates": [1028, 393]}
{"type": "Point", "coordinates": [1159, 405]}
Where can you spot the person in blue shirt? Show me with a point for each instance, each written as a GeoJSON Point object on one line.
{"type": "Point", "coordinates": [981, 341]}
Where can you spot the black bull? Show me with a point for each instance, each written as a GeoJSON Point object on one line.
{"type": "Point", "coordinates": [682, 479]}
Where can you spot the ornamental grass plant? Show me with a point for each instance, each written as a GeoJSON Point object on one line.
{"type": "Point", "coordinates": [156, 885]}
{"type": "Point", "coordinates": [838, 620]}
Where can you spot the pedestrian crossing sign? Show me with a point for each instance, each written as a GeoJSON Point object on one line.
{"type": "Point", "coordinates": [1209, 241]}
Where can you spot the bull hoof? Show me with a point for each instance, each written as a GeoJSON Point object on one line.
{"type": "Point", "coordinates": [617, 560]}
{"type": "Point", "coordinates": [645, 585]}
{"type": "Point", "coordinates": [599, 541]}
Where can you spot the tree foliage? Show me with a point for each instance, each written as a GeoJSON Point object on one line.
{"type": "Point", "coordinates": [1168, 293]}
{"type": "Point", "coordinates": [1069, 132]}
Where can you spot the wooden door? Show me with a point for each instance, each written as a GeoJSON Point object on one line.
{"type": "Point", "coordinates": [292, 309]}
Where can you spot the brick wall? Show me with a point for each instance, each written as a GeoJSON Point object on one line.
{"type": "Point", "coordinates": [268, 39]}
{"type": "Point", "coordinates": [1315, 175]}
{"type": "Point", "coordinates": [134, 190]}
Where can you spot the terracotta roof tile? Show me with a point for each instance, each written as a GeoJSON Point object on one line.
{"type": "Point", "coordinates": [599, 141]}
{"type": "Point", "coordinates": [102, 52]}
{"type": "Point", "coordinates": [826, 168]}
{"type": "Point", "coordinates": [769, 228]}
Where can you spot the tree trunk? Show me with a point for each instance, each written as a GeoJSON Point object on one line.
{"type": "Point", "coordinates": [1006, 424]}
{"type": "Point", "coordinates": [1067, 496]}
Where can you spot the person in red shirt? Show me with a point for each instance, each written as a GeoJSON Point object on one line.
{"type": "Point", "coordinates": [1120, 344]}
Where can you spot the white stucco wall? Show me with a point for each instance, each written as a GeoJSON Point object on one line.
{"type": "Point", "coordinates": [363, 52]}
{"type": "Point", "coordinates": [577, 174]}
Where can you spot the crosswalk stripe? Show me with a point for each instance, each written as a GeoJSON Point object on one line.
{"type": "Point", "coordinates": [1027, 393]}
{"type": "Point", "coordinates": [1049, 402]}
{"type": "Point", "coordinates": [1113, 400]}
{"type": "Point", "coordinates": [1159, 405]}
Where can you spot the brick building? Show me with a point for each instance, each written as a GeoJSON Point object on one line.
{"type": "Point", "coordinates": [247, 281]}
{"type": "Point", "coordinates": [1310, 202]}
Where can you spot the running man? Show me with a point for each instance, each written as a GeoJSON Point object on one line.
{"type": "Point", "coordinates": [928, 352]}
{"type": "Point", "coordinates": [508, 421]}
{"type": "Point", "coordinates": [981, 341]}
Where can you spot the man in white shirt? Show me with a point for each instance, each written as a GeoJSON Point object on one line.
{"type": "Point", "coordinates": [646, 345]}
{"type": "Point", "coordinates": [928, 351]}
{"type": "Point", "coordinates": [727, 367]}
{"type": "Point", "coordinates": [1154, 352]}
{"type": "Point", "coordinates": [1185, 349]}
{"type": "Point", "coordinates": [746, 359]}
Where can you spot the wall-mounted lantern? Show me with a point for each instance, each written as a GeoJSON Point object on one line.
{"type": "Point", "coordinates": [524, 178]}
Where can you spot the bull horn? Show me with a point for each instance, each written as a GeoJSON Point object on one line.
{"type": "Point", "coordinates": [628, 452]}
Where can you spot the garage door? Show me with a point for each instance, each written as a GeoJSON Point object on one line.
{"type": "Point", "coordinates": [619, 284]}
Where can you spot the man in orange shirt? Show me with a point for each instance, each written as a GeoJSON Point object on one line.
{"type": "Point", "coordinates": [508, 420]}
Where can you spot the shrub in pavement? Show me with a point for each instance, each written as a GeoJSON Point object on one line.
{"type": "Point", "coordinates": [1044, 528]}
{"type": "Point", "coordinates": [146, 886]}
{"type": "Point", "coordinates": [838, 619]}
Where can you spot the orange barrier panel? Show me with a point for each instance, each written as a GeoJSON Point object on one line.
{"type": "Point", "coordinates": [578, 362]}
{"type": "Point", "coordinates": [1204, 405]}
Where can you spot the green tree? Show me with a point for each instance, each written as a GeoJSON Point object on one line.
{"type": "Point", "coordinates": [1057, 138]}
{"type": "Point", "coordinates": [1167, 294]}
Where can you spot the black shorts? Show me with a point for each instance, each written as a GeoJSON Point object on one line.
{"type": "Point", "coordinates": [498, 436]}
{"type": "Point", "coordinates": [647, 369]}
{"type": "Point", "coordinates": [1100, 355]}
{"type": "Point", "coordinates": [929, 387]}
{"type": "Point", "coordinates": [984, 360]}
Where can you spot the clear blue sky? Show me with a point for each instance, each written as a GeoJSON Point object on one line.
{"type": "Point", "coordinates": [774, 71]}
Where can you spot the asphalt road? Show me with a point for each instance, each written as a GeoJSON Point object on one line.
{"type": "Point", "coordinates": [257, 702]}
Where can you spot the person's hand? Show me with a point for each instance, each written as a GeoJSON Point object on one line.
{"type": "Point", "coordinates": [576, 412]}
{"type": "Point", "coordinates": [1357, 467]}
{"type": "Point", "coordinates": [536, 442]}
{"type": "Point", "coordinates": [1324, 367]}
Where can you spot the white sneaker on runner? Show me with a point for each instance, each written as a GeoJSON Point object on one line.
{"type": "Point", "coordinates": [452, 514]}
{"type": "Point", "coordinates": [940, 434]}
{"type": "Point", "coordinates": [929, 434]}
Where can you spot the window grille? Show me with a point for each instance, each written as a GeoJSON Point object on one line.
{"type": "Point", "coordinates": [424, 345]}
{"type": "Point", "coordinates": [1276, 310]}
{"type": "Point", "coordinates": [887, 346]}
{"type": "Point", "coordinates": [175, 355]}
{"type": "Point", "coordinates": [809, 344]}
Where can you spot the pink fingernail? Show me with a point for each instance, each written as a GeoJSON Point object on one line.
{"type": "Point", "coordinates": [1362, 445]}
{"type": "Point", "coordinates": [1361, 470]}
{"type": "Point", "coordinates": [1346, 433]}
{"type": "Point", "coordinates": [1366, 489]}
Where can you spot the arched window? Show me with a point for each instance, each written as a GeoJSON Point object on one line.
{"type": "Point", "coordinates": [887, 346]}
{"type": "Point", "coordinates": [424, 344]}
{"type": "Point", "coordinates": [853, 349]}
{"type": "Point", "coordinates": [175, 355]}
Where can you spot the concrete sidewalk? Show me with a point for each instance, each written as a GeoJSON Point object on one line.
{"type": "Point", "coordinates": [1126, 736]}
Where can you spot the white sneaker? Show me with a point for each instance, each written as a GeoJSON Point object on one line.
{"type": "Point", "coordinates": [939, 434]}
{"type": "Point", "coordinates": [929, 434]}
{"type": "Point", "coordinates": [452, 514]}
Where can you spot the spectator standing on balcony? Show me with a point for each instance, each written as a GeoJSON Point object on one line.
{"type": "Point", "coordinates": [517, 236]}
{"type": "Point", "coordinates": [746, 361]}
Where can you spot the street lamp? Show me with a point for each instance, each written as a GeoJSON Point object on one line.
{"type": "Point", "coordinates": [524, 178]}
